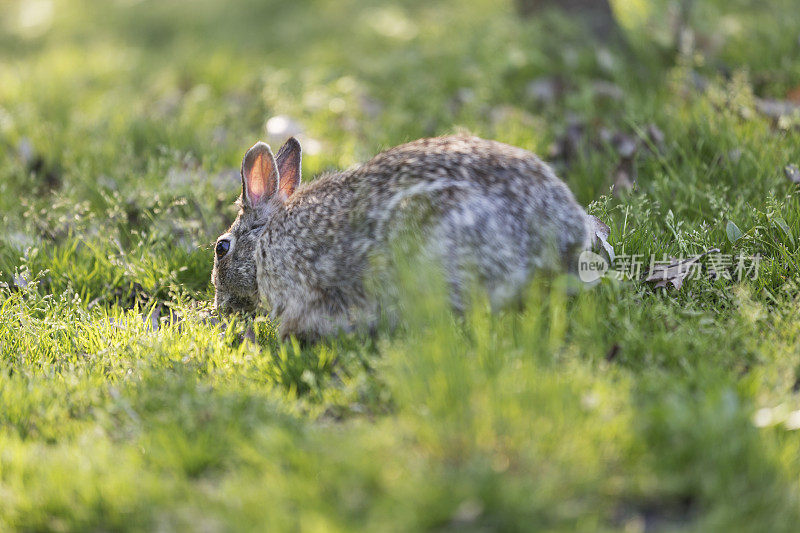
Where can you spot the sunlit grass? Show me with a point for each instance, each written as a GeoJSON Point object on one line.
{"type": "Point", "coordinates": [623, 407]}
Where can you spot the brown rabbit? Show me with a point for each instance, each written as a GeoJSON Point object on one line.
{"type": "Point", "coordinates": [487, 211]}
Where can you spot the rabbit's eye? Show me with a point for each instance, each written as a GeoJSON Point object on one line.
{"type": "Point", "coordinates": [222, 247]}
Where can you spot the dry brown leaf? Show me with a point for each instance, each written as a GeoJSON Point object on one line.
{"type": "Point", "coordinates": [794, 95]}
{"type": "Point", "coordinates": [675, 272]}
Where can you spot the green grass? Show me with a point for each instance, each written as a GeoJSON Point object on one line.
{"type": "Point", "coordinates": [622, 407]}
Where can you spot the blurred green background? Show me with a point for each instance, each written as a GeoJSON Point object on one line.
{"type": "Point", "coordinates": [122, 125]}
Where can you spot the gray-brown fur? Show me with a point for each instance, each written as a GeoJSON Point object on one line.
{"type": "Point", "coordinates": [487, 211]}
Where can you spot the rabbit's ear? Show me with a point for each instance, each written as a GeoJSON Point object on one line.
{"type": "Point", "coordinates": [288, 158]}
{"type": "Point", "coordinates": [259, 175]}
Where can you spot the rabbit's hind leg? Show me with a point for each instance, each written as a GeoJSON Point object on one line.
{"type": "Point", "coordinates": [480, 250]}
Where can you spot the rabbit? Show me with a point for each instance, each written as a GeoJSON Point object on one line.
{"type": "Point", "coordinates": [488, 212]}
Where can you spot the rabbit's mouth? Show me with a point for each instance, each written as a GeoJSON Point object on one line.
{"type": "Point", "coordinates": [235, 304]}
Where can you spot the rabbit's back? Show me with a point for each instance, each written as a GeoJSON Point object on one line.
{"type": "Point", "coordinates": [485, 209]}
{"type": "Point", "coordinates": [491, 165]}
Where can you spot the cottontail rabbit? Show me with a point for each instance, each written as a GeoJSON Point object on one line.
{"type": "Point", "coordinates": [493, 213]}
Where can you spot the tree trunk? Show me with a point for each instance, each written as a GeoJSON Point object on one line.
{"type": "Point", "coordinates": [596, 14]}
